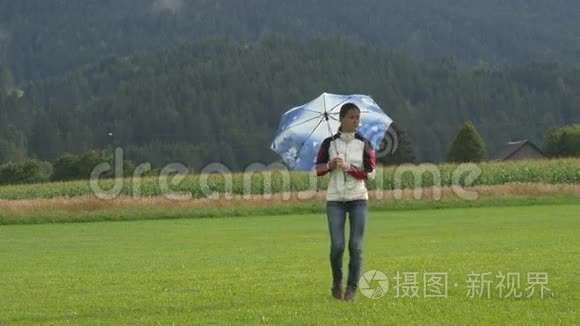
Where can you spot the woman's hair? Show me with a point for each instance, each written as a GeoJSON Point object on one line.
{"type": "Point", "coordinates": [344, 110]}
{"type": "Point", "coordinates": [347, 107]}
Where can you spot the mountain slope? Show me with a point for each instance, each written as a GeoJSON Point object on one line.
{"type": "Point", "coordinates": [221, 101]}
{"type": "Point", "coordinates": [40, 38]}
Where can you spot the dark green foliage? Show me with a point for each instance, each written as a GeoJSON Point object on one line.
{"type": "Point", "coordinates": [41, 38]}
{"type": "Point", "coordinates": [29, 171]}
{"type": "Point", "coordinates": [12, 143]}
{"type": "Point", "coordinates": [220, 102]}
{"type": "Point", "coordinates": [563, 142]}
{"type": "Point", "coordinates": [66, 168]}
{"type": "Point", "coordinates": [468, 146]}
{"type": "Point", "coordinates": [396, 148]}
{"type": "Point", "coordinates": [6, 80]}
{"type": "Point", "coordinates": [80, 167]}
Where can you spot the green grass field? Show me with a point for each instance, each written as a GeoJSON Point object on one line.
{"type": "Point", "coordinates": [275, 269]}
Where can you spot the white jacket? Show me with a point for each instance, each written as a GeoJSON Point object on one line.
{"type": "Point", "coordinates": [356, 150]}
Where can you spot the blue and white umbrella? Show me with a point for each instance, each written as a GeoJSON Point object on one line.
{"type": "Point", "coordinates": [303, 128]}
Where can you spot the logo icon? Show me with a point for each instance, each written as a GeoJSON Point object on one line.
{"type": "Point", "coordinates": [373, 284]}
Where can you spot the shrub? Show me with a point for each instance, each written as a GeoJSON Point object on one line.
{"type": "Point", "coordinates": [29, 171]}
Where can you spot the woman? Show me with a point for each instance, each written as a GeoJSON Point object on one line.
{"type": "Point", "coordinates": [349, 159]}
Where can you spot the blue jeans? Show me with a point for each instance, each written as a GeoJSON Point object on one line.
{"type": "Point", "coordinates": [336, 212]}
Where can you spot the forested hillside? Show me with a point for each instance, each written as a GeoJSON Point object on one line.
{"type": "Point", "coordinates": [40, 38]}
{"type": "Point", "coordinates": [221, 101]}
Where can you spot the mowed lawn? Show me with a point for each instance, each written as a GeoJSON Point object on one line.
{"type": "Point", "coordinates": [275, 269]}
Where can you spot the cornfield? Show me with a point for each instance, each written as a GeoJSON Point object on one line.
{"type": "Point", "coordinates": [560, 171]}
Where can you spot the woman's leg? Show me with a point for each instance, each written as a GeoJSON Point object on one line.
{"type": "Point", "coordinates": [336, 214]}
{"type": "Point", "coordinates": [358, 212]}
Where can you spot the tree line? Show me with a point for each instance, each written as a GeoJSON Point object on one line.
{"type": "Point", "coordinates": [468, 146]}
{"type": "Point", "coordinates": [221, 101]}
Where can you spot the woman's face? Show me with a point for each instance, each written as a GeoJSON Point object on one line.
{"type": "Point", "coordinates": [350, 122]}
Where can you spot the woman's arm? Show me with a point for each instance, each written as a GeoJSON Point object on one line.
{"type": "Point", "coordinates": [323, 163]}
{"type": "Point", "coordinates": [367, 172]}
{"type": "Point", "coordinates": [322, 169]}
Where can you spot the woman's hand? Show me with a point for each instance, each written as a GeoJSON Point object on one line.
{"type": "Point", "coordinates": [337, 162]}
{"type": "Point", "coordinates": [344, 165]}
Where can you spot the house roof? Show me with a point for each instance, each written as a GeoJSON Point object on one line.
{"type": "Point", "coordinates": [510, 148]}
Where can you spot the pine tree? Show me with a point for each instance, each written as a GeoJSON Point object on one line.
{"type": "Point", "coordinates": [396, 147]}
{"type": "Point", "coordinates": [6, 80]}
{"type": "Point", "coordinates": [468, 146]}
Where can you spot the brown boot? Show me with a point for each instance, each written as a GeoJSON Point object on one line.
{"type": "Point", "coordinates": [350, 293]}
{"type": "Point", "coordinates": [337, 291]}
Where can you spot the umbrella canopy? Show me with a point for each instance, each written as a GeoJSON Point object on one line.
{"type": "Point", "coordinates": [302, 129]}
